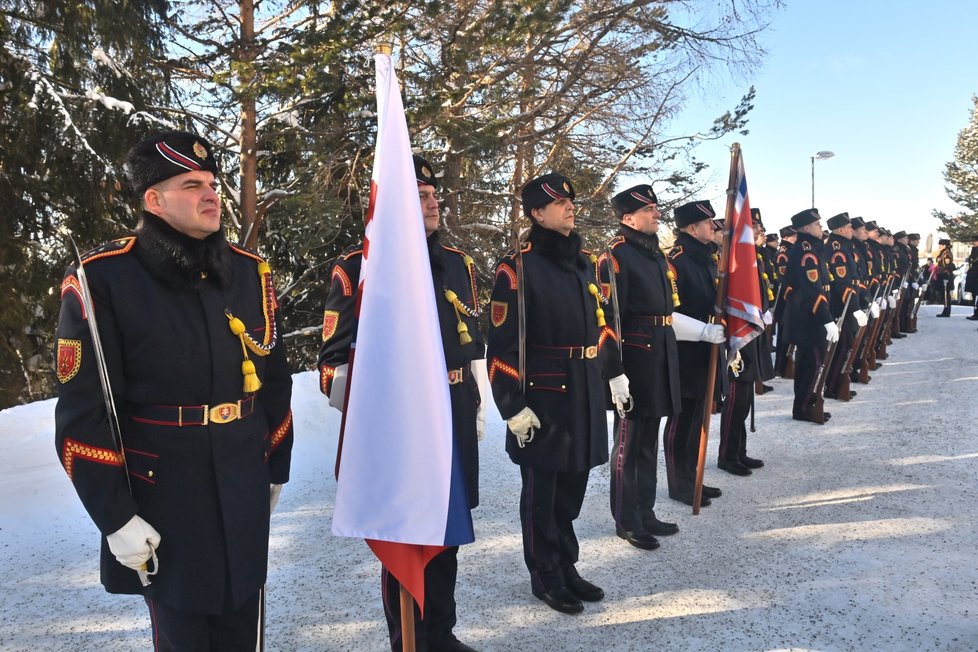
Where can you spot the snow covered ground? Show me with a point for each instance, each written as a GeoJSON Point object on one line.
{"type": "Point", "coordinates": [857, 535]}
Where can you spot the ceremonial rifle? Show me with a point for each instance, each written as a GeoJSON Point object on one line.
{"type": "Point", "coordinates": [846, 372]}
{"type": "Point", "coordinates": [789, 362]}
{"type": "Point", "coordinates": [869, 351]}
{"type": "Point", "coordinates": [816, 400]}
{"type": "Point", "coordinates": [901, 299]}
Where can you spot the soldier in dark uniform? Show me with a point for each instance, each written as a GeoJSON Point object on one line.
{"type": "Point", "coordinates": [201, 389]}
{"type": "Point", "coordinates": [770, 253]}
{"type": "Point", "coordinates": [865, 282]}
{"type": "Point", "coordinates": [971, 277]}
{"type": "Point", "coordinates": [788, 238]}
{"type": "Point", "coordinates": [456, 298]}
{"type": "Point", "coordinates": [766, 275]}
{"type": "Point", "coordinates": [913, 240]}
{"type": "Point", "coordinates": [944, 274]}
{"type": "Point", "coordinates": [752, 365]}
{"type": "Point", "coordinates": [696, 278]}
{"type": "Point", "coordinates": [845, 286]}
{"type": "Point", "coordinates": [904, 272]}
{"type": "Point", "coordinates": [555, 415]}
{"type": "Point", "coordinates": [645, 291]}
{"type": "Point", "coordinates": [808, 318]}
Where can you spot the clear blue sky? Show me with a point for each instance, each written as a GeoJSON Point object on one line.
{"type": "Point", "coordinates": [884, 85]}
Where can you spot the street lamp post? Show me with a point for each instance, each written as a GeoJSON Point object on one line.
{"type": "Point", "coordinates": [819, 156]}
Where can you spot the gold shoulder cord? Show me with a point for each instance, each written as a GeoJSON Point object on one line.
{"type": "Point", "coordinates": [251, 381]}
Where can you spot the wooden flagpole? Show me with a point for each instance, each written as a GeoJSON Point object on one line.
{"type": "Point", "coordinates": [718, 306]}
{"type": "Point", "coordinates": [407, 620]}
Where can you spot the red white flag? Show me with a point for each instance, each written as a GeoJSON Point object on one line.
{"type": "Point", "coordinates": [395, 483]}
{"type": "Point", "coordinates": [744, 315]}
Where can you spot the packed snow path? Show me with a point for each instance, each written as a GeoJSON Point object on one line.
{"type": "Point", "coordinates": [857, 535]}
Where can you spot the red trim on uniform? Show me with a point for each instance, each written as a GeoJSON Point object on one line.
{"type": "Point", "coordinates": [279, 433]}
{"type": "Point", "coordinates": [73, 449]}
{"type": "Point", "coordinates": [176, 157]}
{"type": "Point", "coordinates": [125, 245]}
{"type": "Point", "coordinates": [819, 300]}
{"type": "Point", "coordinates": [326, 375]}
{"type": "Point", "coordinates": [550, 191]}
{"type": "Point", "coordinates": [339, 275]}
{"type": "Point", "coordinates": [510, 274]}
{"type": "Point", "coordinates": [503, 367]}
{"type": "Point", "coordinates": [71, 286]}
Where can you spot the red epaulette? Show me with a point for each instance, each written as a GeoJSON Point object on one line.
{"type": "Point", "coordinates": [524, 248]}
{"type": "Point", "coordinates": [112, 248]}
{"type": "Point", "coordinates": [351, 252]}
{"type": "Point", "coordinates": [245, 252]}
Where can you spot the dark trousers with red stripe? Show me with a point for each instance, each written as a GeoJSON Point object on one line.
{"type": "Point", "coordinates": [807, 361]}
{"type": "Point", "coordinates": [175, 630]}
{"type": "Point", "coordinates": [733, 429]}
{"type": "Point", "coordinates": [682, 445]}
{"type": "Point", "coordinates": [634, 465]}
{"type": "Point", "coordinates": [549, 504]}
{"type": "Point", "coordinates": [435, 631]}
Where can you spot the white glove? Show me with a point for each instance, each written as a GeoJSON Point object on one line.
{"type": "Point", "coordinates": [767, 318]}
{"type": "Point", "coordinates": [522, 425]}
{"type": "Point", "coordinates": [861, 318]}
{"type": "Point", "coordinates": [882, 302]}
{"type": "Point", "coordinates": [686, 328]}
{"type": "Point", "coordinates": [478, 368]}
{"type": "Point", "coordinates": [274, 491]}
{"type": "Point", "coordinates": [713, 333]}
{"type": "Point", "coordinates": [619, 392]}
{"type": "Point", "coordinates": [874, 310]}
{"type": "Point", "coordinates": [915, 286]}
{"type": "Point", "coordinates": [134, 543]}
{"type": "Point", "coordinates": [831, 332]}
{"type": "Point", "coordinates": [337, 391]}
{"type": "Point", "coordinates": [905, 285]}
{"type": "Point", "coordinates": [891, 301]}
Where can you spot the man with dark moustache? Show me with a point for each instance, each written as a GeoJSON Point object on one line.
{"type": "Point", "coordinates": [456, 299]}
{"type": "Point", "coordinates": [692, 258]}
{"type": "Point", "coordinates": [555, 410]}
{"type": "Point", "coordinates": [200, 392]}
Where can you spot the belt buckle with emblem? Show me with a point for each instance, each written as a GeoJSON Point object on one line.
{"type": "Point", "coordinates": [224, 413]}
{"type": "Point", "coordinates": [591, 352]}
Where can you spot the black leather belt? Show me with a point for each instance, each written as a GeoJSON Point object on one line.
{"type": "Point", "coordinates": [456, 376]}
{"type": "Point", "coordinates": [573, 352]}
{"type": "Point", "coordinates": [192, 415]}
{"type": "Point", "coordinates": [654, 320]}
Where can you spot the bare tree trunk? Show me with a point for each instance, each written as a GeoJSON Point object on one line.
{"type": "Point", "coordinates": [249, 165]}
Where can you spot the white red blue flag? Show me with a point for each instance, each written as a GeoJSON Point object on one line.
{"type": "Point", "coordinates": [399, 483]}
{"type": "Point", "coordinates": [744, 314]}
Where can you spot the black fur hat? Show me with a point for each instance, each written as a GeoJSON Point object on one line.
{"type": "Point", "coordinates": [166, 155]}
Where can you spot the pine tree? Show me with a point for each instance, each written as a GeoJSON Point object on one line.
{"type": "Point", "coordinates": [961, 176]}
{"type": "Point", "coordinates": [61, 135]}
